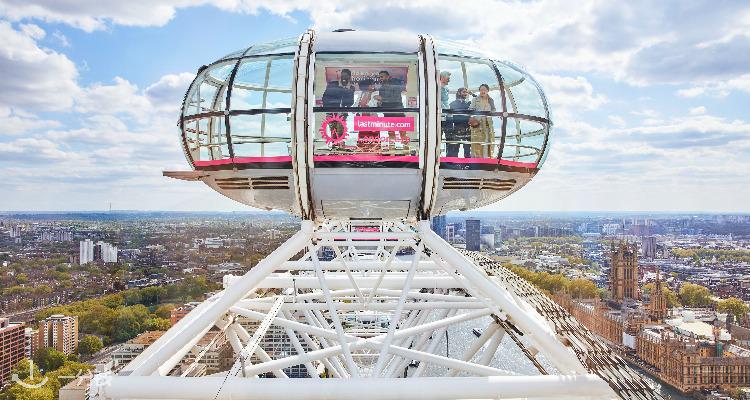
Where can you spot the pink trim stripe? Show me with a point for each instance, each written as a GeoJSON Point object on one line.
{"type": "Point", "coordinates": [209, 163]}
{"type": "Point", "coordinates": [460, 160]}
{"type": "Point", "coordinates": [247, 160]}
{"type": "Point", "coordinates": [243, 160]}
{"type": "Point", "coordinates": [367, 158]}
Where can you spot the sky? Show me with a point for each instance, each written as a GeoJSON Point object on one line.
{"type": "Point", "coordinates": [650, 100]}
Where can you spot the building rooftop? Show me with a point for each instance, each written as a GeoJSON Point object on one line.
{"type": "Point", "coordinates": [146, 338]}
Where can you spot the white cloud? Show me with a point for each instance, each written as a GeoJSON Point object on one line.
{"type": "Point", "coordinates": [62, 39]}
{"type": "Point", "coordinates": [15, 123]}
{"type": "Point", "coordinates": [574, 94]}
{"type": "Point", "coordinates": [122, 97]}
{"type": "Point", "coordinates": [169, 90]}
{"type": "Point", "coordinates": [617, 121]}
{"type": "Point", "coordinates": [719, 88]}
{"type": "Point", "coordinates": [34, 77]}
{"type": "Point", "coordinates": [697, 110]}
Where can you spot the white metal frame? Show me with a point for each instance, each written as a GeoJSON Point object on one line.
{"type": "Point", "coordinates": [365, 319]}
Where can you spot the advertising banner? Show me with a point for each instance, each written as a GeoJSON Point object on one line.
{"type": "Point", "coordinates": [372, 123]}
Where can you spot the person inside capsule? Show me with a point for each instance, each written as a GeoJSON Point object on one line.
{"type": "Point", "coordinates": [457, 134]}
{"type": "Point", "coordinates": [482, 130]}
{"type": "Point", "coordinates": [389, 96]}
{"type": "Point", "coordinates": [367, 141]}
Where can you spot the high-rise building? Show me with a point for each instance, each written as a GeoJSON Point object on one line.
{"type": "Point", "coordinates": [473, 234]}
{"type": "Point", "coordinates": [623, 275]}
{"type": "Point", "coordinates": [450, 233]}
{"type": "Point", "coordinates": [56, 236]}
{"type": "Point", "coordinates": [15, 231]}
{"type": "Point", "coordinates": [648, 247]}
{"type": "Point", "coordinates": [59, 332]}
{"type": "Point", "coordinates": [12, 347]}
{"type": "Point", "coordinates": [105, 252]}
{"type": "Point", "coordinates": [86, 252]}
{"type": "Point", "coordinates": [610, 229]}
{"type": "Point", "coordinates": [438, 226]}
{"type": "Point", "coordinates": [100, 251]}
{"type": "Point", "coordinates": [31, 342]}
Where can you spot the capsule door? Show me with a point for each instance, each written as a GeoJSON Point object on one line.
{"type": "Point", "coordinates": [367, 134]}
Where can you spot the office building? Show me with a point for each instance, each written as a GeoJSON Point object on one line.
{"type": "Point", "coordinates": [649, 247]}
{"type": "Point", "coordinates": [438, 226]}
{"type": "Point", "coordinates": [59, 332]}
{"type": "Point", "coordinates": [473, 233]}
{"type": "Point", "coordinates": [450, 233]}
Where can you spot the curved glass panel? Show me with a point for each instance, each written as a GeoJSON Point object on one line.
{"type": "Point", "coordinates": [453, 48]}
{"type": "Point", "coordinates": [234, 54]}
{"type": "Point", "coordinates": [206, 138]}
{"type": "Point", "coordinates": [208, 90]}
{"type": "Point", "coordinates": [525, 96]}
{"type": "Point", "coordinates": [281, 46]}
{"type": "Point", "coordinates": [262, 88]}
{"type": "Point", "coordinates": [466, 95]}
{"type": "Point", "coordinates": [524, 140]}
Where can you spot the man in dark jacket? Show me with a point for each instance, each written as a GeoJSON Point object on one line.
{"type": "Point", "coordinates": [340, 93]}
{"type": "Point", "coordinates": [459, 126]}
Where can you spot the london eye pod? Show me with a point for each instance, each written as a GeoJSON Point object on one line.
{"type": "Point", "coordinates": [355, 124]}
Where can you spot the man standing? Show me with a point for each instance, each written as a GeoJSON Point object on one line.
{"type": "Point", "coordinates": [340, 93]}
{"type": "Point", "coordinates": [445, 78]}
{"type": "Point", "coordinates": [459, 131]}
{"type": "Point", "coordinates": [389, 96]}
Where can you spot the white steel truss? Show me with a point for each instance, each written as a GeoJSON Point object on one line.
{"type": "Point", "coordinates": [367, 306]}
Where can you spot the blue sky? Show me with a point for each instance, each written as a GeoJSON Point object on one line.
{"type": "Point", "coordinates": [650, 99]}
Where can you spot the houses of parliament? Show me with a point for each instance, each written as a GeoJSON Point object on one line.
{"type": "Point", "coordinates": [690, 350]}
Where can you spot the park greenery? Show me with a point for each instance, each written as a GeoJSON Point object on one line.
{"type": "Point", "coordinates": [733, 306]}
{"type": "Point", "coordinates": [708, 254]}
{"type": "Point", "coordinates": [553, 283]}
{"type": "Point", "coordinates": [121, 316]}
{"type": "Point", "coordinates": [694, 295]}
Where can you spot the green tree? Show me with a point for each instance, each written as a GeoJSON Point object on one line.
{"type": "Point", "coordinates": [90, 344]}
{"type": "Point", "coordinates": [49, 359]}
{"type": "Point", "coordinates": [734, 306]}
{"type": "Point", "coordinates": [164, 310]}
{"type": "Point", "coordinates": [583, 289]}
{"type": "Point", "coordinates": [22, 369]}
{"type": "Point", "coordinates": [18, 392]}
{"type": "Point", "coordinates": [693, 295]}
{"type": "Point", "coordinates": [63, 375]}
{"type": "Point", "coordinates": [156, 324]}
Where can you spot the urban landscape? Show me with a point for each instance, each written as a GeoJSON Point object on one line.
{"type": "Point", "coordinates": [88, 292]}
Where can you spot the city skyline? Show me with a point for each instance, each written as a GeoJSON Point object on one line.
{"type": "Point", "coordinates": [646, 99]}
